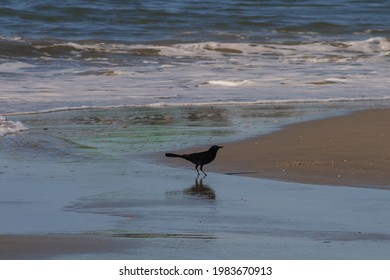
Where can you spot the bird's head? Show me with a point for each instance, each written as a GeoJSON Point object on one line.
{"type": "Point", "coordinates": [215, 148]}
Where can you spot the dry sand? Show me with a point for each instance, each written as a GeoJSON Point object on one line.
{"type": "Point", "coordinates": [351, 150]}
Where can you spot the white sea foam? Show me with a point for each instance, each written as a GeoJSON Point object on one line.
{"type": "Point", "coordinates": [228, 83]}
{"type": "Point", "coordinates": [263, 102]}
{"type": "Point", "coordinates": [369, 46]}
{"type": "Point", "coordinates": [10, 127]}
{"type": "Point", "coordinates": [377, 45]}
{"type": "Point", "coordinates": [190, 104]}
{"type": "Point", "coordinates": [200, 73]}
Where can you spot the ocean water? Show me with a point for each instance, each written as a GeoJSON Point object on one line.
{"type": "Point", "coordinates": [80, 53]}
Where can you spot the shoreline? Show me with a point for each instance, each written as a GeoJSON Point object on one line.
{"type": "Point", "coordinates": [159, 212]}
{"type": "Point", "coordinates": [349, 150]}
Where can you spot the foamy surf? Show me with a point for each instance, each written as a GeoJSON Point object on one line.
{"type": "Point", "coordinates": [10, 127]}
{"type": "Point", "coordinates": [312, 101]}
{"type": "Point", "coordinates": [228, 83]}
{"type": "Point", "coordinates": [97, 73]}
{"type": "Point", "coordinates": [372, 46]}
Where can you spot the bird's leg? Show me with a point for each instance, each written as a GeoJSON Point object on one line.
{"type": "Point", "coordinates": [196, 167]}
{"type": "Point", "coordinates": [201, 168]}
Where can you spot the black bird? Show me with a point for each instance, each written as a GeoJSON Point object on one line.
{"type": "Point", "coordinates": [199, 159]}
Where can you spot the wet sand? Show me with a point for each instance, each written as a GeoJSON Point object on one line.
{"type": "Point", "coordinates": [352, 150]}
{"type": "Point", "coordinates": [111, 209]}
{"type": "Point", "coordinates": [51, 246]}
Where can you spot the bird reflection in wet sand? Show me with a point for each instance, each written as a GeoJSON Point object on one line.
{"type": "Point", "coordinates": [199, 190]}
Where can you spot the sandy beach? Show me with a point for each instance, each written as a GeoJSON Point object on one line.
{"type": "Point", "coordinates": [296, 92]}
{"type": "Point", "coordinates": [351, 150]}
{"type": "Point", "coordinates": [92, 204]}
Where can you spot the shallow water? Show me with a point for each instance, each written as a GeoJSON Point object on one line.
{"type": "Point", "coordinates": [88, 172]}
{"type": "Point", "coordinates": [171, 214]}
{"type": "Point", "coordinates": [131, 130]}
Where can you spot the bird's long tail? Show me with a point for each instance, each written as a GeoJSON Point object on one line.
{"type": "Point", "coordinates": [173, 155]}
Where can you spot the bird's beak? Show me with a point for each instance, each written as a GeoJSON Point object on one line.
{"type": "Point", "coordinates": [220, 147]}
